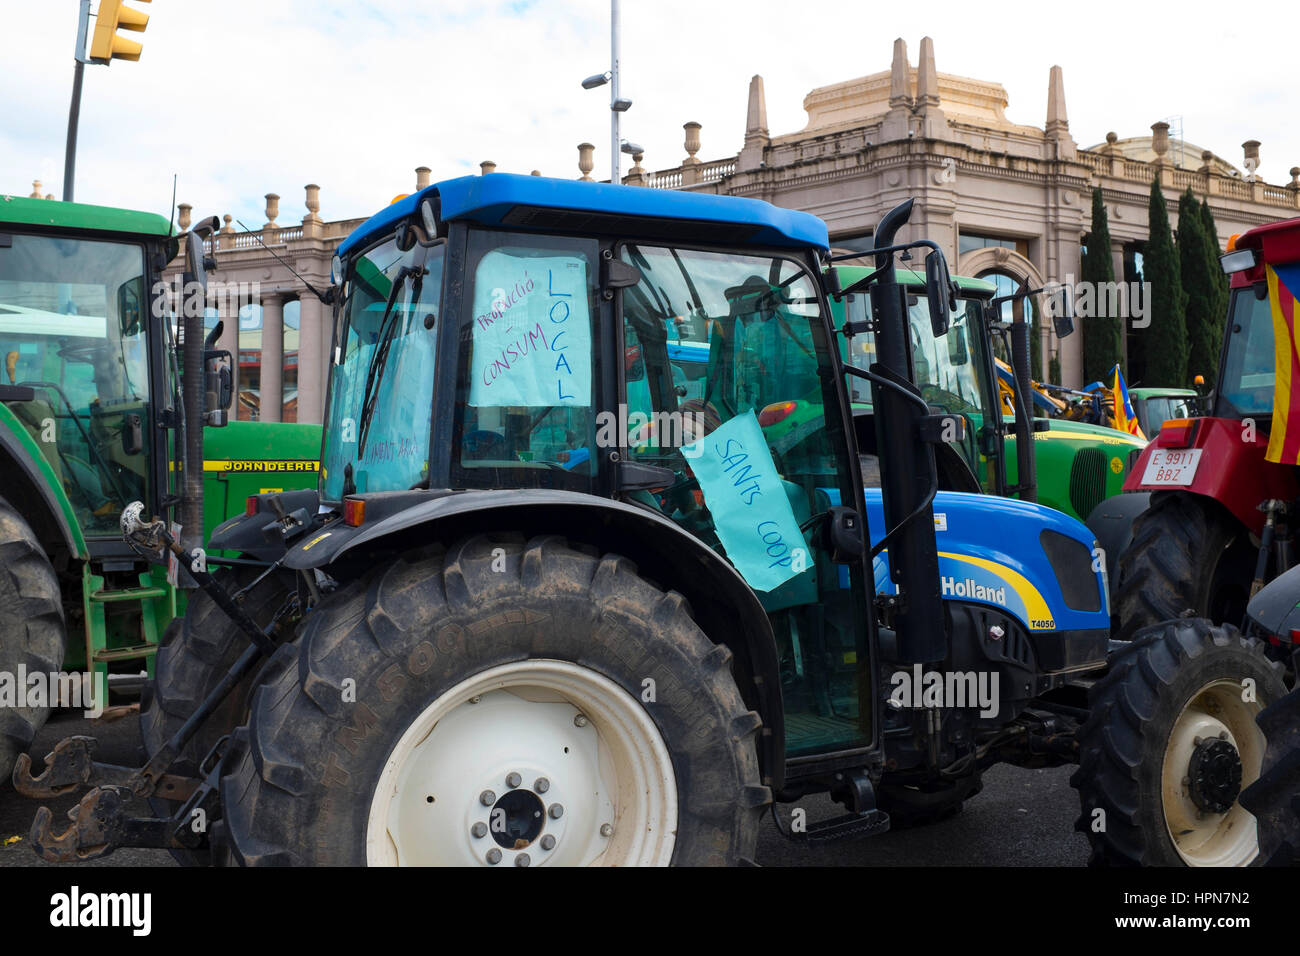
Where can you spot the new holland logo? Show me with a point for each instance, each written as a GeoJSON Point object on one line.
{"type": "Point", "coordinates": [969, 589]}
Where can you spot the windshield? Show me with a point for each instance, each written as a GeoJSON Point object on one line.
{"type": "Point", "coordinates": [381, 393]}
{"type": "Point", "coordinates": [72, 326]}
{"type": "Point", "coordinates": [1246, 387]}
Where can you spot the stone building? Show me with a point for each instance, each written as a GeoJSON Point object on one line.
{"type": "Point", "coordinates": [1004, 200]}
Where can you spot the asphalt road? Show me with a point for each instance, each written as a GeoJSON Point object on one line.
{"type": "Point", "coordinates": [1022, 818]}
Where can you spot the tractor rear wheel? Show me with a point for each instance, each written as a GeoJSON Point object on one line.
{"type": "Point", "coordinates": [1274, 798]}
{"type": "Point", "coordinates": [1187, 558]}
{"type": "Point", "coordinates": [1169, 743]}
{"type": "Point", "coordinates": [31, 634]}
{"type": "Point", "coordinates": [505, 703]}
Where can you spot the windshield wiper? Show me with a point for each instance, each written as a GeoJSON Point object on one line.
{"type": "Point", "coordinates": [379, 360]}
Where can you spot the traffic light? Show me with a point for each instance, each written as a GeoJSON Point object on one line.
{"type": "Point", "coordinates": [106, 45]}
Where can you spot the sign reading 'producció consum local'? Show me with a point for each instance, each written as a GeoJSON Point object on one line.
{"type": "Point", "coordinates": [532, 332]}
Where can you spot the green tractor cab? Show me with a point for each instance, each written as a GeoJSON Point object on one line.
{"type": "Point", "coordinates": [89, 414]}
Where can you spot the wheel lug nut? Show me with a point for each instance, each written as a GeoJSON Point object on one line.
{"type": "Point", "coordinates": [494, 856]}
{"type": "Point", "coordinates": [522, 860]}
{"type": "Point", "coordinates": [606, 830]}
{"type": "Point", "coordinates": [1196, 741]}
{"type": "Point", "coordinates": [556, 811]}
{"type": "Point", "coordinates": [1223, 735]}
{"type": "Point", "coordinates": [548, 842]}
{"type": "Point", "coordinates": [479, 830]}
{"type": "Point", "coordinates": [513, 780]}
{"type": "Point", "coordinates": [580, 721]}
{"type": "Point", "coordinates": [475, 700]}
{"type": "Point", "coordinates": [541, 785]}
{"type": "Point", "coordinates": [487, 798]}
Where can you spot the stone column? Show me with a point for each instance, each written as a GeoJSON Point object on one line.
{"type": "Point", "coordinates": [272, 357]}
{"type": "Point", "coordinates": [311, 377]}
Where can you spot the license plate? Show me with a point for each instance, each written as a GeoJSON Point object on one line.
{"type": "Point", "coordinates": [1168, 466]}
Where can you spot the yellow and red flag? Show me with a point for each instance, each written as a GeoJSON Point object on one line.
{"type": "Point", "coordinates": [1284, 435]}
{"type": "Point", "coordinates": [1124, 416]}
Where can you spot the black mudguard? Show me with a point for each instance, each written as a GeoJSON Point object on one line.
{"type": "Point", "coordinates": [263, 535]}
{"type": "Point", "coordinates": [1111, 522]}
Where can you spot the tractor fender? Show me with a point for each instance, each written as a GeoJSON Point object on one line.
{"type": "Point", "coordinates": [1112, 523]}
{"type": "Point", "coordinates": [32, 487]}
{"type": "Point", "coordinates": [258, 535]}
{"type": "Point", "coordinates": [725, 607]}
{"type": "Point", "coordinates": [1276, 608]}
{"type": "Point", "coordinates": [1231, 470]}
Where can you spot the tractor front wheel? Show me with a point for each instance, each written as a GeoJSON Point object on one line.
{"type": "Point", "coordinates": [506, 703]}
{"type": "Point", "coordinates": [1169, 744]}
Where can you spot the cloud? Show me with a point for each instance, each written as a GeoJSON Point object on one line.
{"type": "Point", "coordinates": [245, 98]}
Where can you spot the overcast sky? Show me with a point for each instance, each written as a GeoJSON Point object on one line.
{"type": "Point", "coordinates": [245, 97]}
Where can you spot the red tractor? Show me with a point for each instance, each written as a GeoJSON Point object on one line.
{"type": "Point", "coordinates": [1218, 513]}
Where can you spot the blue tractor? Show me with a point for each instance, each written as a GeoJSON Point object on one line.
{"type": "Point", "coordinates": [557, 606]}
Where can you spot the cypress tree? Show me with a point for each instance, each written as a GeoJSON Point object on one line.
{"type": "Point", "coordinates": [1219, 287]}
{"type": "Point", "coordinates": [1101, 332]}
{"type": "Point", "coordinates": [1193, 258]}
{"type": "Point", "coordinates": [1167, 333]}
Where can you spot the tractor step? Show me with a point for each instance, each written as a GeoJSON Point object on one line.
{"type": "Point", "coordinates": [104, 596]}
{"type": "Point", "coordinates": [133, 652]}
{"type": "Point", "coordinates": [851, 826]}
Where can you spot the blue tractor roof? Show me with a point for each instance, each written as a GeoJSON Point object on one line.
{"type": "Point", "coordinates": [506, 199]}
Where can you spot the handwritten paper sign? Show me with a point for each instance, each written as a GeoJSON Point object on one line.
{"type": "Point", "coordinates": [532, 332]}
{"type": "Point", "coordinates": [751, 512]}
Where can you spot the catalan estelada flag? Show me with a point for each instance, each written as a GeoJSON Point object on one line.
{"type": "Point", "coordinates": [1284, 434]}
{"type": "Point", "coordinates": [1125, 417]}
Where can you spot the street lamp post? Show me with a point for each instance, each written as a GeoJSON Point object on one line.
{"type": "Point", "coordinates": [617, 104]}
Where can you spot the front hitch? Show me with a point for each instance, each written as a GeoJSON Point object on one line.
{"type": "Point", "coordinates": [99, 823]}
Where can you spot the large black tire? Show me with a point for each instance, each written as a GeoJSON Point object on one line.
{"type": "Point", "coordinates": [299, 786]}
{"type": "Point", "coordinates": [1274, 798]}
{"type": "Point", "coordinates": [1139, 709]}
{"type": "Point", "coordinates": [32, 634]}
{"type": "Point", "coordinates": [1187, 558]}
{"type": "Point", "coordinates": [197, 651]}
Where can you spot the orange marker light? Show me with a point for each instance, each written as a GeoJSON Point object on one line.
{"type": "Point", "coordinates": [354, 512]}
{"type": "Point", "coordinates": [250, 506]}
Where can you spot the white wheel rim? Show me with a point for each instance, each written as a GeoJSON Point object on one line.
{"type": "Point", "coordinates": [1201, 837]}
{"type": "Point", "coordinates": [566, 736]}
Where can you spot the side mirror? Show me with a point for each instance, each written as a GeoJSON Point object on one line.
{"type": "Point", "coordinates": [939, 292]}
{"type": "Point", "coordinates": [958, 354]}
{"type": "Point", "coordinates": [218, 383]}
{"type": "Point", "coordinates": [1061, 309]}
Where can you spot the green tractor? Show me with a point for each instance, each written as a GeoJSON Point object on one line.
{"type": "Point", "coordinates": [89, 418]}
{"type": "Point", "coordinates": [1075, 465]}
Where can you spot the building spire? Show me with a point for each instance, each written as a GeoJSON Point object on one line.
{"type": "Point", "coordinates": [757, 138]}
{"type": "Point", "coordinates": [1058, 126]}
{"type": "Point", "coordinates": [899, 92]}
{"type": "Point", "coordinates": [934, 124]}
{"type": "Point", "coordinates": [927, 80]}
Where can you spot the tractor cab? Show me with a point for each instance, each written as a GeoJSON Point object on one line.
{"type": "Point", "coordinates": [74, 323]}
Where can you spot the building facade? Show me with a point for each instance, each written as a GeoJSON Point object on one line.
{"type": "Point", "coordinates": [1005, 201]}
